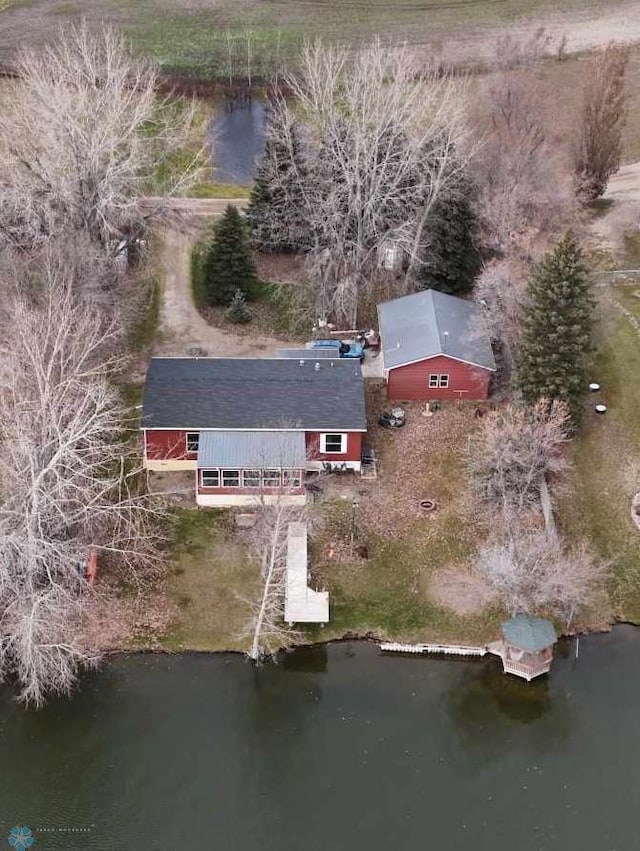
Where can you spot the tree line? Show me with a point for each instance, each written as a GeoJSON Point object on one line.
{"type": "Point", "coordinates": [81, 133]}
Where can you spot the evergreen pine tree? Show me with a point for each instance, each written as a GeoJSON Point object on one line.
{"type": "Point", "coordinates": [451, 260]}
{"type": "Point", "coordinates": [275, 214]}
{"type": "Point", "coordinates": [557, 345]}
{"type": "Point", "coordinates": [238, 311]}
{"type": "Point", "coordinates": [228, 262]}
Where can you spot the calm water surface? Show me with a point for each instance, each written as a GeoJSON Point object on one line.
{"type": "Point", "coordinates": [337, 748]}
{"type": "Point", "coordinates": [237, 139]}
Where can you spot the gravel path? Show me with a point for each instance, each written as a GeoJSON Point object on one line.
{"type": "Point", "coordinates": [181, 326]}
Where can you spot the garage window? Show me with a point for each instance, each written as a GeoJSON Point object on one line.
{"type": "Point", "coordinates": [438, 379]}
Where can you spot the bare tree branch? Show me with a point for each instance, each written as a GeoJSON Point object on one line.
{"type": "Point", "coordinates": [68, 483]}
{"type": "Point", "coordinates": [383, 137]}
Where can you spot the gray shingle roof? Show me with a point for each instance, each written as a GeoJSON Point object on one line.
{"type": "Point", "coordinates": [253, 393]}
{"type": "Point", "coordinates": [244, 449]}
{"type": "Point", "coordinates": [529, 633]}
{"type": "Point", "coordinates": [429, 323]}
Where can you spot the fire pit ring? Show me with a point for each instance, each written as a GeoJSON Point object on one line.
{"type": "Point", "coordinates": [428, 505]}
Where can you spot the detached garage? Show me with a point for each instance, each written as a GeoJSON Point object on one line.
{"type": "Point", "coordinates": [434, 347]}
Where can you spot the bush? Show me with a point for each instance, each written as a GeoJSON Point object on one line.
{"type": "Point", "coordinates": [237, 311]}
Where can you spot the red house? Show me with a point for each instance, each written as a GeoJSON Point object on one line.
{"type": "Point", "coordinates": [251, 428]}
{"type": "Point", "coordinates": [434, 347]}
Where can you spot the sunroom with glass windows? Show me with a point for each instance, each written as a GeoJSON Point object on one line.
{"type": "Point", "coordinates": [242, 467]}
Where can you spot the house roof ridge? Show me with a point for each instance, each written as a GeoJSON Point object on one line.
{"type": "Point", "coordinates": [436, 323]}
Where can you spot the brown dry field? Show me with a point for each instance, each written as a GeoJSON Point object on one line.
{"type": "Point", "coordinates": [181, 31]}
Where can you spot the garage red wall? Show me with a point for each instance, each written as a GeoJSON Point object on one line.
{"type": "Point", "coordinates": [406, 383]}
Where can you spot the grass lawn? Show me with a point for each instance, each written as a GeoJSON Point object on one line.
{"type": "Point", "coordinates": [388, 595]}
{"type": "Point", "coordinates": [597, 504]}
{"type": "Point", "coordinates": [210, 576]}
{"type": "Point", "coordinates": [397, 591]}
{"type": "Point", "coordinates": [392, 593]}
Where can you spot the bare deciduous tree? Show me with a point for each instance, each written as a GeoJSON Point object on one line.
{"type": "Point", "coordinates": [514, 51]}
{"type": "Point", "coordinates": [269, 540]}
{"type": "Point", "coordinates": [501, 291]}
{"type": "Point", "coordinates": [521, 165]}
{"type": "Point", "coordinates": [514, 450]}
{"type": "Point", "coordinates": [514, 165]}
{"type": "Point", "coordinates": [383, 137]}
{"type": "Point", "coordinates": [67, 484]}
{"type": "Point", "coordinates": [533, 573]}
{"type": "Point", "coordinates": [598, 145]}
{"type": "Point", "coordinates": [80, 132]}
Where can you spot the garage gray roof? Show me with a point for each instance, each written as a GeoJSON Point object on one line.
{"type": "Point", "coordinates": [429, 323]}
{"type": "Point", "coordinates": [244, 449]}
{"type": "Point", "coordinates": [254, 393]}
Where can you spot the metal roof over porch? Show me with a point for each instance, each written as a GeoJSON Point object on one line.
{"type": "Point", "coordinates": [246, 449]}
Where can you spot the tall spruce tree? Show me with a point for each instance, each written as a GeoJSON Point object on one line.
{"type": "Point", "coordinates": [556, 346]}
{"type": "Point", "coordinates": [276, 211]}
{"type": "Point", "coordinates": [451, 259]}
{"type": "Point", "coordinates": [228, 264]}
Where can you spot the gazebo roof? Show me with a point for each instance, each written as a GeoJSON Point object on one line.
{"type": "Point", "coordinates": [528, 633]}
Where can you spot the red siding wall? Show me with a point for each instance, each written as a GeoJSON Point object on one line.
{"type": "Point", "coordinates": [161, 445]}
{"type": "Point", "coordinates": [412, 381]}
{"type": "Point", "coordinates": [353, 453]}
{"type": "Point", "coordinates": [168, 444]}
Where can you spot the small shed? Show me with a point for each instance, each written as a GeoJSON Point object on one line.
{"type": "Point", "coordinates": [434, 346]}
{"type": "Point", "coordinates": [526, 648]}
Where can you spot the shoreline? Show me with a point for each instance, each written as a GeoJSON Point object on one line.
{"type": "Point", "coordinates": [367, 638]}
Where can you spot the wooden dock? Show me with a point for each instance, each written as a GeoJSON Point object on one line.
{"type": "Point", "coordinates": [444, 649]}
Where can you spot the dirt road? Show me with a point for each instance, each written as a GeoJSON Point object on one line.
{"type": "Point", "coordinates": [181, 326]}
{"type": "Point", "coordinates": [623, 215]}
{"type": "Point", "coordinates": [625, 185]}
{"type": "Point", "coordinates": [194, 206]}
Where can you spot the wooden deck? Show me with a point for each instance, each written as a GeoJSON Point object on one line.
{"type": "Point", "coordinates": [445, 649]}
{"type": "Point", "coordinates": [302, 604]}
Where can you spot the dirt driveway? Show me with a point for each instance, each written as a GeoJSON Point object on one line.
{"type": "Point", "coordinates": [623, 214]}
{"type": "Point", "coordinates": [181, 326]}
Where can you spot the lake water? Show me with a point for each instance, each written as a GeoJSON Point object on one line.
{"type": "Point", "coordinates": [336, 748]}
{"type": "Point", "coordinates": [237, 138]}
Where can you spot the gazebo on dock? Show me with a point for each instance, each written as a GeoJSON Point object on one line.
{"type": "Point", "coordinates": [526, 648]}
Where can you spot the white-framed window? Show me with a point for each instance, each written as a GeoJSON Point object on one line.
{"type": "Point", "coordinates": [438, 380]}
{"type": "Point", "coordinates": [251, 478]}
{"type": "Point", "coordinates": [210, 478]}
{"type": "Point", "coordinates": [333, 444]}
{"type": "Point", "coordinates": [193, 441]}
{"type": "Point", "coordinates": [271, 478]}
{"type": "Point", "coordinates": [291, 478]}
{"type": "Point", "coordinates": [231, 478]}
